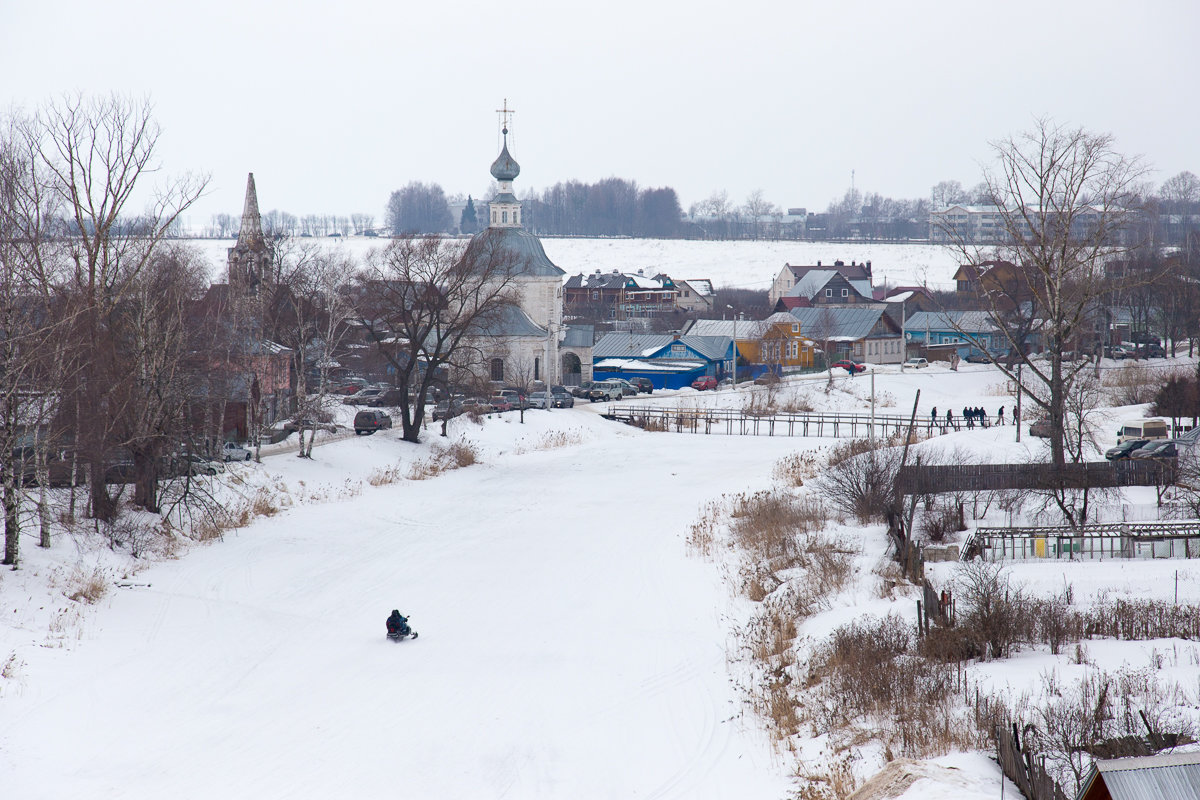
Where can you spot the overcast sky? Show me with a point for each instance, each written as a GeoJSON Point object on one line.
{"type": "Point", "coordinates": [335, 105]}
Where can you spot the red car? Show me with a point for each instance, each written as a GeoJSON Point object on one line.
{"type": "Point", "coordinates": [853, 367]}
{"type": "Point", "coordinates": [707, 382]}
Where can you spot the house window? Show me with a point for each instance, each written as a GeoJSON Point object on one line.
{"type": "Point", "coordinates": [829, 292]}
{"type": "Point", "coordinates": [678, 351]}
{"type": "Point", "coordinates": [515, 216]}
{"type": "Point", "coordinates": [504, 216]}
{"type": "Point", "coordinates": [497, 369]}
{"type": "Point", "coordinates": [845, 292]}
{"type": "Point", "coordinates": [795, 327]}
{"type": "Point", "coordinates": [595, 295]}
{"type": "Point", "coordinates": [537, 363]}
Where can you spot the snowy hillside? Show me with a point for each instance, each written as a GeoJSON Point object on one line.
{"type": "Point", "coordinates": [751, 265]}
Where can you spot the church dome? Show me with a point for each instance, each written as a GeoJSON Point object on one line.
{"type": "Point", "coordinates": [505, 167]}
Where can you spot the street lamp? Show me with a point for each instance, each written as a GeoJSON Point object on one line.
{"type": "Point", "coordinates": [734, 313]}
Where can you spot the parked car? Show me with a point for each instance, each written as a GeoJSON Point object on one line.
{"type": "Point", "coordinates": [644, 385]}
{"type": "Point", "coordinates": [1118, 351]}
{"type": "Point", "coordinates": [1124, 449]}
{"type": "Point", "coordinates": [916, 363]}
{"type": "Point", "coordinates": [499, 403]}
{"type": "Point", "coordinates": [447, 409]}
{"type": "Point", "coordinates": [232, 451]}
{"type": "Point", "coordinates": [706, 382]}
{"type": "Point", "coordinates": [542, 400]}
{"type": "Point", "coordinates": [562, 398]}
{"type": "Point", "coordinates": [1161, 448]}
{"type": "Point", "coordinates": [198, 465]}
{"type": "Point", "coordinates": [1152, 350]}
{"type": "Point", "coordinates": [348, 386]}
{"type": "Point", "coordinates": [370, 421]}
{"type": "Point", "coordinates": [1040, 428]}
{"type": "Point", "coordinates": [853, 367]}
{"type": "Point", "coordinates": [516, 398]}
{"type": "Point", "coordinates": [388, 397]}
{"type": "Point", "coordinates": [979, 358]}
{"type": "Point", "coordinates": [361, 398]}
{"type": "Point", "coordinates": [308, 423]}
{"type": "Point", "coordinates": [582, 389]}
{"type": "Point", "coordinates": [607, 390]}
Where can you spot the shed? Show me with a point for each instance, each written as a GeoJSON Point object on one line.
{"type": "Point", "coordinates": [1173, 775]}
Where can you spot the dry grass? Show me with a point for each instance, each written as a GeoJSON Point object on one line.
{"type": "Point", "coordinates": [11, 669]}
{"type": "Point", "coordinates": [796, 403]}
{"type": "Point", "coordinates": [795, 469]}
{"type": "Point", "coordinates": [86, 587]}
{"type": "Point", "coordinates": [759, 404]}
{"type": "Point", "coordinates": [386, 475]}
{"type": "Point", "coordinates": [552, 440]}
{"type": "Point", "coordinates": [444, 458]}
{"type": "Point", "coordinates": [702, 534]}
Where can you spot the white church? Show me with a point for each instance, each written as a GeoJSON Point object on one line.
{"type": "Point", "coordinates": [530, 343]}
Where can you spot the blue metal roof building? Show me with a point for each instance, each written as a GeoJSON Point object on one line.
{"type": "Point", "coordinates": [670, 362]}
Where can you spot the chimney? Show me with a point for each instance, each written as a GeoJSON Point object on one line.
{"type": "Point", "coordinates": [818, 262]}
{"type": "Point", "coordinates": [868, 268]}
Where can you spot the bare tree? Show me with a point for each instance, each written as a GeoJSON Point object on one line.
{"type": "Point", "coordinates": [95, 152]}
{"type": "Point", "coordinates": [308, 313]}
{"type": "Point", "coordinates": [425, 301]}
{"type": "Point", "coordinates": [1065, 198]}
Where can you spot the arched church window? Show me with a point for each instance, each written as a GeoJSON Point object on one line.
{"type": "Point", "coordinates": [537, 365]}
{"type": "Point", "coordinates": [497, 369]}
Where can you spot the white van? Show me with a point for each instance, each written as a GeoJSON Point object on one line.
{"type": "Point", "coordinates": [1142, 429]}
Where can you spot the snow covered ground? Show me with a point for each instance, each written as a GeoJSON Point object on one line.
{"type": "Point", "coordinates": [570, 645]}
{"type": "Point", "coordinates": [751, 265]}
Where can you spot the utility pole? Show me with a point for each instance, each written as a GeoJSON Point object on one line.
{"type": "Point", "coordinates": [1020, 391]}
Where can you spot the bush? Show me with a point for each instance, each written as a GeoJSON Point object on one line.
{"type": "Point", "coordinates": [992, 612]}
{"type": "Point", "coordinates": [860, 478]}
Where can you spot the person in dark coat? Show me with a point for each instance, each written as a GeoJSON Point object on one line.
{"type": "Point", "coordinates": [1000, 416]}
{"type": "Point", "coordinates": [397, 623]}
{"type": "Point", "coordinates": [969, 416]}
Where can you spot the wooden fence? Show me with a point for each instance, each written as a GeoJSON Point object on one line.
{"type": "Point", "coordinates": [1024, 769]}
{"type": "Point", "coordinates": [735, 422]}
{"type": "Point", "coordinates": [931, 479]}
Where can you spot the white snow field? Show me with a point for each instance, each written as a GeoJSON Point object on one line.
{"type": "Point", "coordinates": [569, 646]}
{"type": "Point", "coordinates": [745, 264]}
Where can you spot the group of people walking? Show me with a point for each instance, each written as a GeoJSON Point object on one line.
{"type": "Point", "coordinates": [972, 415]}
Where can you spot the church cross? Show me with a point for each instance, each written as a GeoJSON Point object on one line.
{"type": "Point", "coordinates": [505, 113]}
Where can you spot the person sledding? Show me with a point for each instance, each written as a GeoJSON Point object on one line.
{"type": "Point", "coordinates": [397, 624]}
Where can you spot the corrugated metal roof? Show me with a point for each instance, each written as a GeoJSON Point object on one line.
{"type": "Point", "coordinates": [830, 322]}
{"type": "Point", "coordinates": [966, 321]}
{"type": "Point", "coordinates": [1171, 775]}
{"type": "Point", "coordinates": [641, 345]}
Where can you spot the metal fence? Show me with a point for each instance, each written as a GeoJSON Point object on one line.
{"type": "Point", "coordinates": [1164, 539]}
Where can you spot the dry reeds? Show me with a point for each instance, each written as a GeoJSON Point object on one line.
{"type": "Point", "coordinates": [86, 587]}
{"type": "Point", "coordinates": [444, 458]}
